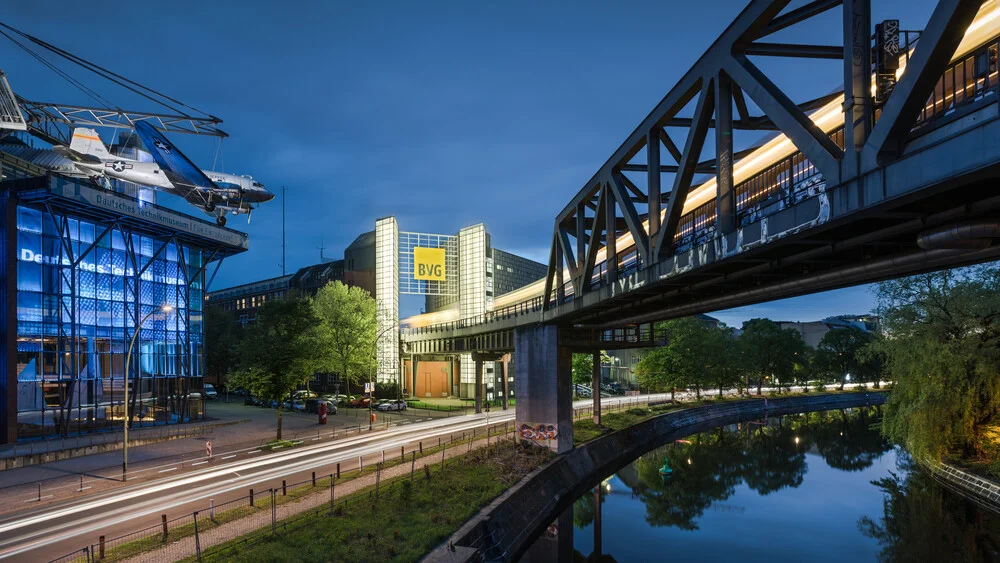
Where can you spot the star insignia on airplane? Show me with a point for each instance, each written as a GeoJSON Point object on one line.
{"type": "Point", "coordinates": [162, 146]}
{"type": "Point", "coordinates": [119, 165]}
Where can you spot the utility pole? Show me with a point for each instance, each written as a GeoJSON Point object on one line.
{"type": "Point", "coordinates": [283, 190]}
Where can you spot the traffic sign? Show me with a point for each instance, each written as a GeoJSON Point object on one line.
{"type": "Point", "coordinates": [369, 387]}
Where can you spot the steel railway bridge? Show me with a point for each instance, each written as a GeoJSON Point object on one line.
{"type": "Point", "coordinates": [895, 175]}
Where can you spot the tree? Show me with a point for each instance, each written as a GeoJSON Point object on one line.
{"type": "Point", "coordinates": [222, 339]}
{"type": "Point", "coordinates": [348, 325]}
{"type": "Point", "coordinates": [942, 350]}
{"type": "Point", "coordinates": [840, 353]}
{"type": "Point", "coordinates": [279, 351]}
{"type": "Point", "coordinates": [721, 359]}
{"type": "Point", "coordinates": [670, 366]}
{"type": "Point", "coordinates": [654, 372]}
{"type": "Point", "coordinates": [583, 367]}
{"type": "Point", "coordinates": [768, 351]}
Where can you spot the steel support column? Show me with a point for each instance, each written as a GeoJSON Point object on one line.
{"type": "Point", "coordinates": [504, 370]}
{"type": "Point", "coordinates": [611, 235]}
{"type": "Point", "coordinates": [857, 82]}
{"type": "Point", "coordinates": [938, 41]}
{"type": "Point", "coordinates": [479, 385]}
{"type": "Point", "coordinates": [653, 187]}
{"type": "Point", "coordinates": [8, 319]}
{"type": "Point", "coordinates": [725, 204]}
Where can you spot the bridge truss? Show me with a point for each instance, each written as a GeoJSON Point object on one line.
{"type": "Point", "coordinates": [613, 226]}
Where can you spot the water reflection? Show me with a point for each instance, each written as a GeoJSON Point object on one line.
{"type": "Point", "coordinates": [766, 457]}
{"type": "Point", "coordinates": [819, 487]}
{"type": "Point", "coordinates": [922, 521]}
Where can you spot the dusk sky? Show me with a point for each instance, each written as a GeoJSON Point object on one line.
{"type": "Point", "coordinates": [444, 114]}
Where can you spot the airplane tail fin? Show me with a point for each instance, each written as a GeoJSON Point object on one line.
{"type": "Point", "coordinates": [88, 142]}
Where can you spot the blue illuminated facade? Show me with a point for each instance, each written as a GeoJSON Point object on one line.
{"type": "Point", "coordinates": [82, 275]}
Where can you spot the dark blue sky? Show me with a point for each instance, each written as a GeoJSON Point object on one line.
{"type": "Point", "coordinates": [444, 114]}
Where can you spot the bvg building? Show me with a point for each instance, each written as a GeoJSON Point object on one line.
{"type": "Point", "coordinates": [82, 268]}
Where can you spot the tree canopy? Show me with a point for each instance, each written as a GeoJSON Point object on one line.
{"type": "Point", "coordinates": [347, 330]}
{"type": "Point", "coordinates": [222, 341]}
{"type": "Point", "coordinates": [840, 353]}
{"type": "Point", "coordinates": [279, 352]}
{"type": "Point", "coordinates": [770, 352]}
{"type": "Point", "coordinates": [583, 367]}
{"type": "Point", "coordinates": [942, 350]}
{"type": "Point", "coordinates": [698, 354]}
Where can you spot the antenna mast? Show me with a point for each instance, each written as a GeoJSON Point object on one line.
{"type": "Point", "coordinates": [282, 230]}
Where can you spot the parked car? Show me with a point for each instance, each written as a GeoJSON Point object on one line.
{"type": "Point", "coordinates": [392, 406]}
{"type": "Point", "coordinates": [312, 405]}
{"type": "Point", "coordinates": [210, 391]}
{"type": "Point", "coordinates": [294, 405]}
{"type": "Point", "coordinates": [304, 394]}
{"type": "Point", "coordinates": [360, 403]}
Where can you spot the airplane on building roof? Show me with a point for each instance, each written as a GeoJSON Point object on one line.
{"type": "Point", "coordinates": [215, 193]}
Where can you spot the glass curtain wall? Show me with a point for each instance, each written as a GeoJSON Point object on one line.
{"type": "Point", "coordinates": [82, 288]}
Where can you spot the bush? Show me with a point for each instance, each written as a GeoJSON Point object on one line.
{"type": "Point", "coordinates": [385, 390]}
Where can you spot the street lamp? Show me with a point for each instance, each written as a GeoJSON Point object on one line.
{"type": "Point", "coordinates": [371, 372]}
{"type": "Point", "coordinates": [128, 362]}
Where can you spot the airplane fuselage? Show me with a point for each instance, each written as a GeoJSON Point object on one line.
{"type": "Point", "coordinates": [231, 187]}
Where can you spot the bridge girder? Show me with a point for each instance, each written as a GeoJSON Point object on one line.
{"type": "Point", "coordinates": [724, 76]}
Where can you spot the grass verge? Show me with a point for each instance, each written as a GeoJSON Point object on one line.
{"type": "Point", "coordinates": [152, 539]}
{"type": "Point", "coordinates": [407, 522]}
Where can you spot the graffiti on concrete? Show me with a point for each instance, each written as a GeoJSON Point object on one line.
{"type": "Point", "coordinates": [536, 432]}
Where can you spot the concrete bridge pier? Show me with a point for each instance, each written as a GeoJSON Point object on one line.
{"type": "Point", "coordinates": [479, 358]}
{"type": "Point", "coordinates": [544, 413]}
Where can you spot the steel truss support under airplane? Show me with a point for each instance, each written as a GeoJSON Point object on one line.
{"type": "Point", "coordinates": [604, 214]}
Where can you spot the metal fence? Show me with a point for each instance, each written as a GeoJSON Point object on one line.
{"type": "Point", "coordinates": [219, 530]}
{"type": "Point", "coordinates": [15, 496]}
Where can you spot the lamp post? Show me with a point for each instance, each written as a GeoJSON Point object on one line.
{"type": "Point", "coordinates": [128, 362]}
{"type": "Point", "coordinates": [371, 372]}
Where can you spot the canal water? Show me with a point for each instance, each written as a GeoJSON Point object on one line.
{"type": "Point", "coordinates": [812, 487]}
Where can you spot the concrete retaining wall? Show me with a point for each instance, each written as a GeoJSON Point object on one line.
{"type": "Point", "coordinates": [979, 490]}
{"type": "Point", "coordinates": [45, 451]}
{"type": "Point", "coordinates": [506, 528]}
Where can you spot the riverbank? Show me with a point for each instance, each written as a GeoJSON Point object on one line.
{"type": "Point", "coordinates": [508, 527]}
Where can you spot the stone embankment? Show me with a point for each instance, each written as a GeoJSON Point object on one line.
{"type": "Point", "coordinates": [979, 490]}
{"type": "Point", "coordinates": [508, 526]}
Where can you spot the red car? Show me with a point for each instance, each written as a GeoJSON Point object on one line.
{"type": "Point", "coordinates": [360, 403]}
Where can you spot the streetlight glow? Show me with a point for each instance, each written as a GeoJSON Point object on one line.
{"type": "Point", "coordinates": [128, 361]}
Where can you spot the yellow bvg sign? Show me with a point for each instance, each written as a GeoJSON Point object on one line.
{"type": "Point", "coordinates": [428, 264]}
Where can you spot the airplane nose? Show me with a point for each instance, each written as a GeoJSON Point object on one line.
{"type": "Point", "coordinates": [268, 195]}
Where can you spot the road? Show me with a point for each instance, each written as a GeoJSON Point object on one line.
{"type": "Point", "coordinates": [45, 532]}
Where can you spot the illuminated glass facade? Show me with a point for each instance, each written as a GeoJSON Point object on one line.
{"type": "Point", "coordinates": [81, 289]}
{"type": "Point", "coordinates": [78, 280]}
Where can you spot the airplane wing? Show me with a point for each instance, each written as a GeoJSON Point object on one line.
{"type": "Point", "coordinates": [189, 180]}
